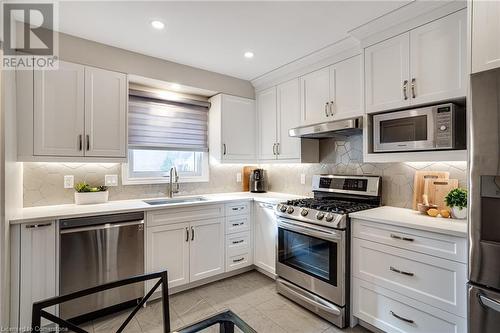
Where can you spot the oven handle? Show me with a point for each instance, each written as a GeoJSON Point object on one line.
{"type": "Point", "coordinates": [310, 298]}
{"type": "Point", "coordinates": [310, 231]}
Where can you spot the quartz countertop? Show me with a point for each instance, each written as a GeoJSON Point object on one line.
{"type": "Point", "coordinates": [34, 214]}
{"type": "Point", "coordinates": [409, 218]}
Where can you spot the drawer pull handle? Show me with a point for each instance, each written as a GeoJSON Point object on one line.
{"type": "Point", "coordinates": [402, 318]}
{"type": "Point", "coordinates": [238, 224]}
{"type": "Point", "coordinates": [400, 271]}
{"type": "Point", "coordinates": [31, 226]}
{"type": "Point", "coordinates": [238, 260]}
{"type": "Point", "coordinates": [402, 238]}
{"type": "Point", "coordinates": [238, 241]}
{"type": "Point", "coordinates": [238, 208]}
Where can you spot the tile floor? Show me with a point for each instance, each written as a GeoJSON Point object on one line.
{"type": "Point", "coordinates": [250, 295]}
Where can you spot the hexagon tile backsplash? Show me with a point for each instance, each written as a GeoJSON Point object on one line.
{"type": "Point", "coordinates": [43, 182]}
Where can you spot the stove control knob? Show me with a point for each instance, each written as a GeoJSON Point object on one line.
{"type": "Point", "coordinates": [304, 212]}
{"type": "Point", "coordinates": [290, 210]}
{"type": "Point", "coordinates": [320, 215]}
{"type": "Point", "coordinates": [329, 217]}
{"type": "Point", "coordinates": [283, 208]}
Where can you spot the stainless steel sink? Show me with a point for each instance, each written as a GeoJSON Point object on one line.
{"type": "Point", "coordinates": [174, 200]}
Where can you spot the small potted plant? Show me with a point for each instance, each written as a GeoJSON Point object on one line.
{"type": "Point", "coordinates": [457, 201]}
{"type": "Point", "coordinates": [86, 194]}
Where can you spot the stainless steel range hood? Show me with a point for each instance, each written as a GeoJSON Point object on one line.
{"type": "Point", "coordinates": [329, 129]}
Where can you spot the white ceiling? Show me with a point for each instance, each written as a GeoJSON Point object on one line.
{"type": "Point", "coordinates": [214, 35]}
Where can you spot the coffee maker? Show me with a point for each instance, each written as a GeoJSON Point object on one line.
{"type": "Point", "coordinates": [258, 182]}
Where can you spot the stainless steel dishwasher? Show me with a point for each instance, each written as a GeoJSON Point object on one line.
{"type": "Point", "coordinates": [99, 249]}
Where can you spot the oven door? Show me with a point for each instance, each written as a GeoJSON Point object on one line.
{"type": "Point", "coordinates": [312, 257]}
{"type": "Point", "coordinates": [404, 130]}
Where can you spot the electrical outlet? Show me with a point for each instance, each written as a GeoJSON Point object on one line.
{"type": "Point", "coordinates": [303, 178]}
{"type": "Point", "coordinates": [238, 177]}
{"type": "Point", "coordinates": [111, 180]}
{"type": "Point", "coordinates": [69, 181]}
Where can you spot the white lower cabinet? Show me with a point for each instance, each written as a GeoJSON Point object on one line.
{"type": "Point", "coordinates": [393, 312]}
{"type": "Point", "coordinates": [189, 245]}
{"type": "Point", "coordinates": [206, 249]}
{"type": "Point", "coordinates": [33, 247]}
{"type": "Point", "coordinates": [168, 247]}
{"type": "Point", "coordinates": [407, 280]}
{"type": "Point", "coordinates": [238, 237]}
{"type": "Point", "coordinates": [266, 229]}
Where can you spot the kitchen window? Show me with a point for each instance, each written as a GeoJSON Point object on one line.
{"type": "Point", "coordinates": [165, 130]}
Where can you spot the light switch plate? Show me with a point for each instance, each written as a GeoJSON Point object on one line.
{"type": "Point", "coordinates": [238, 177]}
{"type": "Point", "coordinates": [303, 178]}
{"type": "Point", "coordinates": [111, 180]}
{"type": "Point", "coordinates": [69, 181]}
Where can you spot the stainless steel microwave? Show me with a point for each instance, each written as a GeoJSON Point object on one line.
{"type": "Point", "coordinates": [437, 127]}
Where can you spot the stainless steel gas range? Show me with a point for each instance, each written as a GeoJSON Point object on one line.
{"type": "Point", "coordinates": [313, 246]}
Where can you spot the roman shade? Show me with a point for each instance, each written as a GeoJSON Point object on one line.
{"type": "Point", "coordinates": [172, 124]}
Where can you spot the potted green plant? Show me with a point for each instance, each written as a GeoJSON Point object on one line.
{"type": "Point", "coordinates": [86, 194]}
{"type": "Point", "coordinates": [457, 201]}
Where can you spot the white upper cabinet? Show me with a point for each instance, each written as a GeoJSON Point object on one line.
{"type": "Point", "coordinates": [438, 59]}
{"type": "Point", "coordinates": [267, 120]}
{"type": "Point", "coordinates": [289, 117]}
{"type": "Point", "coordinates": [485, 32]}
{"type": "Point", "coordinates": [77, 112]}
{"type": "Point", "coordinates": [386, 74]}
{"type": "Point", "coordinates": [105, 113]}
{"type": "Point", "coordinates": [315, 93]}
{"type": "Point", "coordinates": [346, 88]}
{"type": "Point", "coordinates": [424, 65]}
{"type": "Point", "coordinates": [58, 111]}
{"type": "Point", "coordinates": [232, 128]}
{"type": "Point", "coordinates": [278, 111]}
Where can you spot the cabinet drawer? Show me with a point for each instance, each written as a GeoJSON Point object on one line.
{"type": "Point", "coordinates": [435, 281]}
{"type": "Point", "coordinates": [237, 223]}
{"type": "Point", "coordinates": [392, 312]}
{"type": "Point", "coordinates": [238, 208]}
{"type": "Point", "coordinates": [238, 243]}
{"type": "Point", "coordinates": [439, 245]}
{"type": "Point", "coordinates": [238, 261]}
{"type": "Point", "coordinates": [187, 214]}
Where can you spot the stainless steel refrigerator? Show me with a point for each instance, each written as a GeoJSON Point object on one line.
{"type": "Point", "coordinates": [484, 206]}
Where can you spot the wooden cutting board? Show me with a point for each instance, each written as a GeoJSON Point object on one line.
{"type": "Point", "coordinates": [437, 189]}
{"type": "Point", "coordinates": [247, 170]}
{"type": "Point", "coordinates": [419, 183]}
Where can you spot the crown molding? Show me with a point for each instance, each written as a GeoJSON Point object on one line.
{"type": "Point", "coordinates": [404, 19]}
{"type": "Point", "coordinates": [326, 56]}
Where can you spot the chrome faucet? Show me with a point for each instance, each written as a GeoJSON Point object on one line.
{"type": "Point", "coordinates": [174, 182]}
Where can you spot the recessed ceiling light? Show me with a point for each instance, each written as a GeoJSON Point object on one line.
{"type": "Point", "coordinates": [157, 24]}
{"type": "Point", "coordinates": [175, 86]}
{"type": "Point", "coordinates": [248, 55]}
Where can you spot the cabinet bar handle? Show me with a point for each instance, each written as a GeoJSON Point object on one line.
{"type": "Point", "coordinates": [277, 148]}
{"type": "Point", "coordinates": [331, 108]}
{"type": "Point", "coordinates": [400, 271]}
{"type": "Point", "coordinates": [238, 241]}
{"type": "Point", "coordinates": [80, 142]}
{"type": "Point", "coordinates": [274, 148]}
{"type": "Point", "coordinates": [192, 233]}
{"type": "Point", "coordinates": [88, 142]}
{"type": "Point", "coordinates": [402, 238]}
{"type": "Point", "coordinates": [402, 318]}
{"type": "Point", "coordinates": [41, 225]}
{"type": "Point", "coordinates": [238, 260]}
{"type": "Point", "coordinates": [405, 86]}
{"type": "Point", "coordinates": [238, 224]}
{"type": "Point", "coordinates": [187, 234]}
{"type": "Point", "coordinates": [224, 149]}
{"type": "Point", "coordinates": [326, 109]}
{"type": "Point", "coordinates": [413, 83]}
